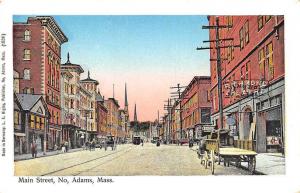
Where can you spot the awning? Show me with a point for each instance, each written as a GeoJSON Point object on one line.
{"type": "Point", "coordinates": [20, 134]}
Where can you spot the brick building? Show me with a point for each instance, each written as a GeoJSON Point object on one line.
{"type": "Point", "coordinates": [36, 56]}
{"type": "Point", "coordinates": [196, 107]}
{"type": "Point", "coordinates": [112, 106]}
{"type": "Point", "coordinates": [101, 116]}
{"type": "Point", "coordinates": [252, 79]}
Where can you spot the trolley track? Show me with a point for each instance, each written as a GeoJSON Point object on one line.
{"type": "Point", "coordinates": [89, 161]}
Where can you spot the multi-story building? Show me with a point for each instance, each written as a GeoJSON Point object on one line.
{"type": "Point", "coordinates": [252, 79]}
{"type": "Point", "coordinates": [122, 123]}
{"type": "Point", "coordinates": [65, 78]}
{"type": "Point", "coordinates": [101, 116]}
{"type": "Point", "coordinates": [112, 106]}
{"type": "Point", "coordinates": [70, 101]}
{"type": "Point", "coordinates": [91, 86]}
{"type": "Point", "coordinates": [36, 53]}
{"type": "Point", "coordinates": [85, 116]}
{"type": "Point", "coordinates": [196, 106]}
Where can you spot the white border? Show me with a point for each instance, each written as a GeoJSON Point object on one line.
{"type": "Point", "coordinates": [245, 184]}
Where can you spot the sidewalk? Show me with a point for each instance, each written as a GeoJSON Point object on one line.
{"type": "Point", "coordinates": [269, 164]}
{"type": "Point", "coordinates": [40, 154]}
{"type": "Point", "coordinates": [266, 163]}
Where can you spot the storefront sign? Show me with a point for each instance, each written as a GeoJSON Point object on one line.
{"type": "Point", "coordinates": [240, 88]}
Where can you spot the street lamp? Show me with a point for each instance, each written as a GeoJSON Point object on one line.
{"type": "Point", "coordinates": [86, 112]}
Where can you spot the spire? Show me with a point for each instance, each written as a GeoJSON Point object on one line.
{"type": "Point", "coordinates": [68, 59]}
{"type": "Point", "coordinates": [126, 102]}
{"type": "Point", "coordinates": [88, 75]}
{"type": "Point", "coordinates": [135, 114]}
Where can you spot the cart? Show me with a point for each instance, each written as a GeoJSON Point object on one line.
{"type": "Point", "coordinates": [213, 150]}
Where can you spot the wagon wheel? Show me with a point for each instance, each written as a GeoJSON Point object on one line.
{"type": "Point", "coordinates": [205, 159]}
{"type": "Point", "coordinates": [252, 164]}
{"type": "Point", "coordinates": [212, 164]}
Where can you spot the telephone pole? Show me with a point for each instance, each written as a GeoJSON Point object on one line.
{"type": "Point", "coordinates": [217, 41]}
{"type": "Point", "coordinates": [178, 97]}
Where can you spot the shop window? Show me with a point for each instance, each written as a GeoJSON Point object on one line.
{"type": "Point", "coordinates": [16, 117]}
{"type": "Point", "coordinates": [32, 124]}
{"type": "Point", "coordinates": [42, 123]}
{"type": "Point", "coordinates": [37, 122]}
{"type": "Point", "coordinates": [27, 35]}
{"type": "Point", "coordinates": [205, 115]}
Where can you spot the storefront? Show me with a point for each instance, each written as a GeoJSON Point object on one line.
{"type": "Point", "coordinates": [31, 122]}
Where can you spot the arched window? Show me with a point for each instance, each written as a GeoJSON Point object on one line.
{"type": "Point", "coordinates": [27, 35]}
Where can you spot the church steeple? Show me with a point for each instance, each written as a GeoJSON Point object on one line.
{"type": "Point", "coordinates": [135, 114]}
{"type": "Point", "coordinates": [126, 102]}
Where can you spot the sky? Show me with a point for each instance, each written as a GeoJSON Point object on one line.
{"type": "Point", "coordinates": [148, 53]}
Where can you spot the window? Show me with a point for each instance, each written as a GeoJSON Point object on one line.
{"type": "Point", "coordinates": [229, 21]}
{"type": "Point", "coordinates": [26, 74]}
{"type": "Point", "coordinates": [72, 104]}
{"type": "Point", "coordinates": [32, 117]}
{"type": "Point", "coordinates": [267, 18]}
{"type": "Point", "coordinates": [42, 123]}
{"type": "Point", "coordinates": [269, 60]}
{"type": "Point", "coordinates": [208, 95]}
{"type": "Point", "coordinates": [230, 51]}
{"type": "Point", "coordinates": [247, 76]}
{"type": "Point", "coordinates": [205, 115]}
{"type": "Point", "coordinates": [37, 122]}
{"type": "Point", "coordinates": [246, 27]}
{"type": "Point", "coordinates": [26, 54]}
{"type": "Point", "coordinates": [72, 89]}
{"type": "Point", "coordinates": [242, 72]}
{"type": "Point", "coordinates": [261, 60]}
{"type": "Point", "coordinates": [16, 117]}
{"type": "Point", "coordinates": [57, 118]}
{"type": "Point", "coordinates": [260, 22]}
{"type": "Point", "coordinates": [27, 90]}
{"type": "Point", "coordinates": [92, 105]}
{"type": "Point", "coordinates": [241, 38]}
{"type": "Point", "coordinates": [27, 35]}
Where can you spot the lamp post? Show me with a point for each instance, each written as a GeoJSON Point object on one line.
{"type": "Point", "coordinates": [86, 112]}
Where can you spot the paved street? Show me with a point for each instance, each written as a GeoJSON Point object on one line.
{"type": "Point", "coordinates": [125, 161]}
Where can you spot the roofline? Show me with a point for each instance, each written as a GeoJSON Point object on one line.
{"type": "Point", "coordinates": [50, 22]}
{"type": "Point", "coordinates": [72, 66]}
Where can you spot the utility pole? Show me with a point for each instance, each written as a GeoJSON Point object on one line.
{"type": "Point", "coordinates": [179, 98]}
{"type": "Point", "coordinates": [217, 41]}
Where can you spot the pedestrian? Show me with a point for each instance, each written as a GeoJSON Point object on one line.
{"type": "Point", "coordinates": [66, 144]}
{"type": "Point", "coordinates": [63, 148]}
{"type": "Point", "coordinates": [142, 142]}
{"type": "Point", "coordinates": [33, 147]}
